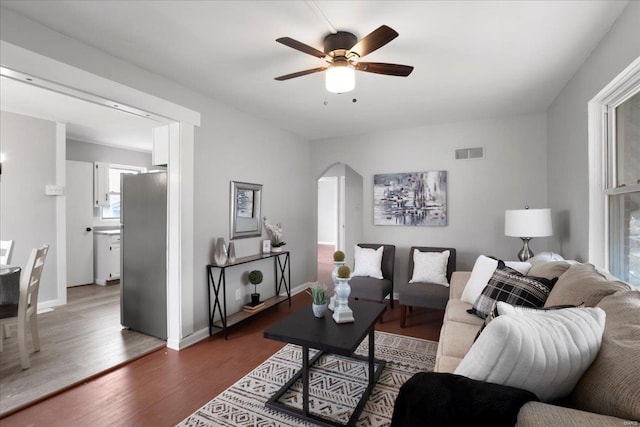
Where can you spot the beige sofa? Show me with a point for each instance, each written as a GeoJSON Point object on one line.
{"type": "Point", "coordinates": [609, 392]}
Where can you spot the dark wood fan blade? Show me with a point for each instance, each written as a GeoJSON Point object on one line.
{"type": "Point", "coordinates": [295, 44]}
{"type": "Point", "coordinates": [382, 68]}
{"type": "Point", "coordinates": [374, 41]}
{"type": "Point", "coordinates": [300, 73]}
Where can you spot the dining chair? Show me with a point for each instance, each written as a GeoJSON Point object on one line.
{"type": "Point", "coordinates": [27, 308]}
{"type": "Point", "coordinates": [6, 249]}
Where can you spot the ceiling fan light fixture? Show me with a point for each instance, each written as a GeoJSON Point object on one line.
{"type": "Point", "coordinates": [340, 78]}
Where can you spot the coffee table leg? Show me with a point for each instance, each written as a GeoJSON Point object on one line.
{"type": "Point", "coordinates": [305, 381]}
{"type": "Point", "coordinates": [371, 359]}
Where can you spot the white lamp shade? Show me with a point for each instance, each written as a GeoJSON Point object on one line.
{"type": "Point", "coordinates": [528, 223]}
{"type": "Point", "coordinates": [340, 78]}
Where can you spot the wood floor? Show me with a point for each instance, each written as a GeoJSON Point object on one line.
{"type": "Point", "coordinates": [77, 341]}
{"type": "Point", "coordinates": [325, 265]}
{"type": "Point", "coordinates": [166, 386]}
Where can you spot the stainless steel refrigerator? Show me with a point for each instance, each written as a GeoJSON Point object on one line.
{"type": "Point", "coordinates": [143, 278]}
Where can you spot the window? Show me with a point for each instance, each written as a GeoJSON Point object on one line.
{"type": "Point", "coordinates": [113, 210]}
{"type": "Point", "coordinates": [614, 176]}
{"type": "Point", "coordinates": [623, 187]}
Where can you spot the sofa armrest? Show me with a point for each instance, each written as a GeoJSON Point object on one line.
{"type": "Point", "coordinates": [534, 414]}
{"type": "Point", "coordinates": [459, 280]}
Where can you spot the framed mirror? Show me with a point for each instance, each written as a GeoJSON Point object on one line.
{"type": "Point", "coordinates": [246, 210]}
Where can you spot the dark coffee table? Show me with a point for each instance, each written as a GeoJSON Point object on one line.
{"type": "Point", "coordinates": [324, 334]}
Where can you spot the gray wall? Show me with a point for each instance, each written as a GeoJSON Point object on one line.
{"type": "Point", "coordinates": [512, 175]}
{"type": "Point", "coordinates": [27, 215]}
{"type": "Point", "coordinates": [567, 133]}
{"type": "Point", "coordinates": [230, 145]}
{"type": "Point", "coordinates": [88, 152]}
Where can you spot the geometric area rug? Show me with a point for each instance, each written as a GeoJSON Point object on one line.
{"type": "Point", "coordinates": [336, 384]}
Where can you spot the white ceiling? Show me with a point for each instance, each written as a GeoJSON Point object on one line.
{"type": "Point", "coordinates": [85, 121]}
{"type": "Point", "coordinates": [472, 59]}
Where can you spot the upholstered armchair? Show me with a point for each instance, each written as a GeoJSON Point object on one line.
{"type": "Point", "coordinates": [425, 294]}
{"type": "Point", "coordinates": [370, 288]}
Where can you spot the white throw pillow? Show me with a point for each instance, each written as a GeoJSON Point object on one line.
{"type": "Point", "coordinates": [482, 271]}
{"type": "Point", "coordinates": [545, 352]}
{"type": "Point", "coordinates": [430, 267]}
{"type": "Point", "coordinates": [368, 262]}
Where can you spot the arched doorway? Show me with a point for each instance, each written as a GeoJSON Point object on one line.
{"type": "Point", "coordinates": [339, 216]}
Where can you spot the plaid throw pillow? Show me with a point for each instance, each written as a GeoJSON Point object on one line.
{"type": "Point", "coordinates": [514, 288]}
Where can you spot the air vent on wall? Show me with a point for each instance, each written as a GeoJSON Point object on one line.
{"type": "Point", "coordinates": [470, 153]}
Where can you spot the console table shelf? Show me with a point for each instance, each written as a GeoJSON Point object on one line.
{"type": "Point", "coordinates": [282, 275]}
{"type": "Point", "coordinates": [242, 315]}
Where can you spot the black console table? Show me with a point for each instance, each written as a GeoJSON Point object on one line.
{"type": "Point", "coordinates": [282, 274]}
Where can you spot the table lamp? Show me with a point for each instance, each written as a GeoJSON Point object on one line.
{"type": "Point", "coordinates": [526, 224]}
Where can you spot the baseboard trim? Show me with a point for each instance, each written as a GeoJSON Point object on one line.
{"type": "Point", "coordinates": [189, 340]}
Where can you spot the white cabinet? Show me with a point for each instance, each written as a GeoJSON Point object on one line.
{"type": "Point", "coordinates": [106, 256]}
{"type": "Point", "coordinates": [100, 184]}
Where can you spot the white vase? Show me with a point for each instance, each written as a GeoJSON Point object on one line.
{"type": "Point", "coordinates": [341, 312]}
{"type": "Point", "coordinates": [319, 310]}
{"type": "Point", "coordinates": [276, 248]}
{"type": "Point", "coordinates": [231, 252]}
{"type": "Point", "coordinates": [220, 252]}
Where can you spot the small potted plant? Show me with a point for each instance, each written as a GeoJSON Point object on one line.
{"type": "Point", "coordinates": [255, 278]}
{"type": "Point", "coordinates": [275, 235]}
{"type": "Point", "coordinates": [318, 293]}
{"type": "Point", "coordinates": [338, 256]}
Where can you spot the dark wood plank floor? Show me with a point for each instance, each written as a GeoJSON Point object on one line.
{"type": "Point", "coordinates": [164, 387]}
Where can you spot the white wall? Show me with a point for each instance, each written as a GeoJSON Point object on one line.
{"type": "Point", "coordinates": [328, 210]}
{"type": "Point", "coordinates": [568, 173]}
{"type": "Point", "coordinates": [512, 174]}
{"type": "Point", "coordinates": [230, 145]}
{"type": "Point", "coordinates": [88, 152]}
{"type": "Point", "coordinates": [27, 215]}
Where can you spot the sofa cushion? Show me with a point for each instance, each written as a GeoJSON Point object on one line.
{"type": "Point", "coordinates": [457, 312]}
{"type": "Point", "coordinates": [511, 286]}
{"type": "Point", "coordinates": [581, 283]}
{"type": "Point", "coordinates": [612, 384]}
{"type": "Point", "coordinates": [545, 353]}
{"type": "Point", "coordinates": [368, 262]}
{"type": "Point", "coordinates": [459, 338]}
{"type": "Point", "coordinates": [482, 271]}
{"type": "Point", "coordinates": [430, 267]}
{"type": "Point", "coordinates": [549, 270]}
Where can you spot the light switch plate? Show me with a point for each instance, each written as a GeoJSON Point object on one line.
{"type": "Point", "coordinates": [54, 190]}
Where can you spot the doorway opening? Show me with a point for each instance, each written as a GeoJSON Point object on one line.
{"type": "Point", "coordinates": [339, 217]}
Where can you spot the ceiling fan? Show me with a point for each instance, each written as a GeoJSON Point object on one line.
{"type": "Point", "coordinates": [342, 52]}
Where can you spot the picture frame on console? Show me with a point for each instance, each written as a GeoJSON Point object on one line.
{"type": "Point", "coordinates": [245, 210]}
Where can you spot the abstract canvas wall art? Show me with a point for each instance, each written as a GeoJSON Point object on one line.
{"type": "Point", "coordinates": [410, 198]}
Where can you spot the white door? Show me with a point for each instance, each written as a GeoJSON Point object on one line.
{"type": "Point", "coordinates": [79, 197]}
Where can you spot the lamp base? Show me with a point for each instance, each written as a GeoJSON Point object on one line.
{"type": "Point", "coordinates": [525, 253]}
